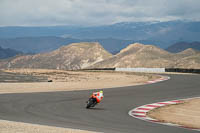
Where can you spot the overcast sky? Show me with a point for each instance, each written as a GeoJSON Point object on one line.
{"type": "Point", "coordinates": [94, 12]}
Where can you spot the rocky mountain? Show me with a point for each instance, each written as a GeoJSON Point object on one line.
{"type": "Point", "coordinates": [139, 55]}
{"type": "Point", "coordinates": [71, 57]}
{"type": "Point", "coordinates": [181, 46]}
{"type": "Point", "coordinates": [7, 53]}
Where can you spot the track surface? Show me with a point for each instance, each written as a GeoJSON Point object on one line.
{"type": "Point", "coordinates": [67, 109]}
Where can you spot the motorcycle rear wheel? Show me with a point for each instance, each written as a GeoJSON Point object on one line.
{"type": "Point", "coordinates": [89, 104]}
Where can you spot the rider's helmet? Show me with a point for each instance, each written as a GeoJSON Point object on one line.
{"type": "Point", "coordinates": [101, 91]}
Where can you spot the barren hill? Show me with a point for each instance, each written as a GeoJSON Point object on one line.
{"type": "Point", "coordinates": [189, 62]}
{"type": "Point", "coordinates": [139, 55]}
{"type": "Point", "coordinates": [188, 58]}
{"type": "Point", "coordinates": [187, 52]}
{"type": "Point", "coordinates": [71, 57]}
{"type": "Point", "coordinates": [93, 55]}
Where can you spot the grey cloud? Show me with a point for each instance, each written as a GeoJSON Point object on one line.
{"type": "Point", "coordinates": [94, 12]}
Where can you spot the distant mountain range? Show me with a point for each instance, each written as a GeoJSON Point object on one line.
{"type": "Point", "coordinates": [93, 55]}
{"type": "Point", "coordinates": [181, 46]}
{"type": "Point", "coordinates": [161, 34]}
{"type": "Point", "coordinates": [34, 45]}
{"type": "Point", "coordinates": [6, 53]}
{"type": "Point", "coordinates": [31, 45]}
{"type": "Point", "coordinates": [50, 43]}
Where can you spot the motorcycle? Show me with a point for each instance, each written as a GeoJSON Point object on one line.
{"type": "Point", "coordinates": [91, 102]}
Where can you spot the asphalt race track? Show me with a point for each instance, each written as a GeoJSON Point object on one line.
{"type": "Point", "coordinates": [67, 109]}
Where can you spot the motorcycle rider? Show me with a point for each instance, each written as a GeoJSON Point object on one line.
{"type": "Point", "coordinates": [97, 96]}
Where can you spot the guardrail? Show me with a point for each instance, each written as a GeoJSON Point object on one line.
{"type": "Point", "coordinates": [150, 70]}
{"type": "Point", "coordinates": [158, 70]}
{"type": "Point", "coordinates": [182, 70]}
{"type": "Point", "coordinates": [112, 69]}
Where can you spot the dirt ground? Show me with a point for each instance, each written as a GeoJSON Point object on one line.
{"type": "Point", "coordinates": [18, 127]}
{"type": "Point", "coordinates": [186, 114]}
{"type": "Point", "coordinates": [12, 81]}
{"type": "Point", "coordinates": [73, 80]}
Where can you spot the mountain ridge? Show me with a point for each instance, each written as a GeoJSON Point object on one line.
{"type": "Point", "coordinates": [93, 55]}
{"type": "Point", "coordinates": [162, 34]}
{"type": "Point", "coordinates": [49, 43]}
{"type": "Point", "coordinates": [139, 55]}
{"type": "Point", "coordinates": [181, 46]}
{"type": "Point", "coordinates": [7, 53]}
{"type": "Point", "coordinates": [70, 57]}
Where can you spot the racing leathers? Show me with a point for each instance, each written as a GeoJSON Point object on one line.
{"type": "Point", "coordinates": [98, 96]}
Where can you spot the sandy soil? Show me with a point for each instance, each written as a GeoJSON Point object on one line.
{"type": "Point", "coordinates": [74, 80]}
{"type": "Point", "coordinates": [18, 127]}
{"type": "Point", "coordinates": [186, 114]}
{"type": "Point", "coordinates": [65, 81]}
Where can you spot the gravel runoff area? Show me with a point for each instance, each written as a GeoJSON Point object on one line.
{"type": "Point", "coordinates": [29, 80]}
{"type": "Point", "coordinates": [186, 114]}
